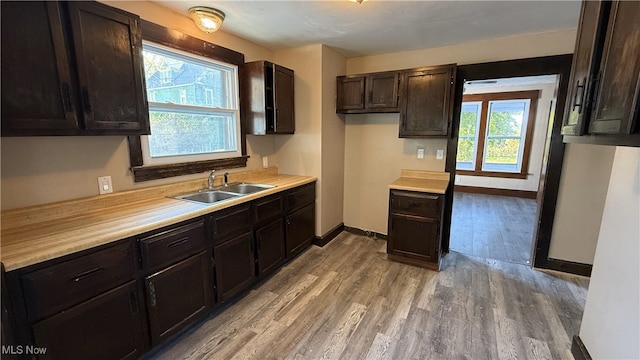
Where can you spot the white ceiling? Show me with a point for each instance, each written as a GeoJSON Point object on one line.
{"type": "Point", "coordinates": [377, 26]}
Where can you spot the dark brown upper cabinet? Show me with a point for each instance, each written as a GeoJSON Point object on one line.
{"type": "Point", "coordinates": [71, 68]}
{"type": "Point", "coordinates": [603, 98]}
{"type": "Point", "coordinates": [426, 101]}
{"type": "Point", "coordinates": [268, 100]}
{"type": "Point", "coordinates": [367, 93]}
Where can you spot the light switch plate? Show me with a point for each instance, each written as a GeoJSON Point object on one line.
{"type": "Point", "coordinates": [440, 154]}
{"type": "Point", "coordinates": [420, 153]}
{"type": "Point", "coordinates": [104, 185]}
{"type": "Point", "coordinates": [265, 162]}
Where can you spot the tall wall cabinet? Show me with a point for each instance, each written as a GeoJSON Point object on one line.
{"type": "Point", "coordinates": [71, 68]}
{"type": "Point", "coordinates": [603, 98]}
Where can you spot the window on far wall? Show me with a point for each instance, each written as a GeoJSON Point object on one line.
{"type": "Point", "coordinates": [188, 122]}
{"type": "Point", "coordinates": [495, 134]}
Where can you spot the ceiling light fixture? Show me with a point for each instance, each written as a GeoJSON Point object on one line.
{"type": "Point", "coordinates": [358, 1]}
{"type": "Point", "coordinates": [207, 19]}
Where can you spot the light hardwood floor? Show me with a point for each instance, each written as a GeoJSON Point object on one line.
{"type": "Point", "coordinates": [347, 301]}
{"type": "Point", "coordinates": [493, 227]}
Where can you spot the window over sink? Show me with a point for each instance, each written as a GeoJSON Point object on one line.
{"type": "Point", "coordinates": [193, 93]}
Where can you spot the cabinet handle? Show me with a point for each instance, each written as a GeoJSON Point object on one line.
{"type": "Point", "coordinates": [595, 87]}
{"type": "Point", "coordinates": [152, 294]}
{"type": "Point", "coordinates": [576, 97]}
{"type": "Point", "coordinates": [133, 302]}
{"type": "Point", "coordinates": [86, 101]}
{"type": "Point", "coordinates": [178, 242]}
{"type": "Point", "coordinates": [66, 97]}
{"type": "Point", "coordinates": [414, 204]}
{"type": "Point", "coordinates": [288, 222]}
{"type": "Point", "coordinates": [86, 274]}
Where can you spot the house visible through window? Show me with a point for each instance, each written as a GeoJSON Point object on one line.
{"type": "Point", "coordinates": [495, 133]}
{"type": "Point", "coordinates": [189, 122]}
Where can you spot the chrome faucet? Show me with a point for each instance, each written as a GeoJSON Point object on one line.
{"type": "Point", "coordinates": [226, 179]}
{"type": "Point", "coordinates": [212, 177]}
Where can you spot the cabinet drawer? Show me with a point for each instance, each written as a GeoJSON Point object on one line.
{"type": "Point", "coordinates": [301, 197]}
{"type": "Point", "coordinates": [171, 246]}
{"type": "Point", "coordinates": [231, 222]}
{"type": "Point", "coordinates": [268, 209]}
{"type": "Point", "coordinates": [57, 287]}
{"type": "Point", "coordinates": [415, 203]}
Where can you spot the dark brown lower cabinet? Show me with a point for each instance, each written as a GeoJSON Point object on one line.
{"type": "Point", "coordinates": [235, 265]}
{"type": "Point", "coordinates": [300, 229]}
{"type": "Point", "coordinates": [178, 295]}
{"type": "Point", "coordinates": [415, 228]}
{"type": "Point", "coordinates": [106, 327]}
{"type": "Point", "coordinates": [270, 244]}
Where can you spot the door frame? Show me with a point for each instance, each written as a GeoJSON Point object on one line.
{"type": "Point", "coordinates": [548, 65]}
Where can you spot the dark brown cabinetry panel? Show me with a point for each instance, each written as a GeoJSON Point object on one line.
{"type": "Point", "coordinates": [235, 265]}
{"type": "Point", "coordinates": [300, 229]}
{"type": "Point", "coordinates": [37, 92]}
{"type": "Point", "coordinates": [268, 208]}
{"type": "Point", "coordinates": [108, 47]}
{"type": "Point", "coordinates": [270, 246]}
{"type": "Point", "coordinates": [173, 245]}
{"type": "Point", "coordinates": [350, 93]}
{"type": "Point", "coordinates": [367, 93]}
{"type": "Point", "coordinates": [60, 286]}
{"type": "Point", "coordinates": [618, 87]}
{"type": "Point", "coordinates": [269, 98]}
{"type": "Point", "coordinates": [300, 197]}
{"type": "Point", "coordinates": [106, 327]}
{"type": "Point", "coordinates": [178, 295]}
{"type": "Point", "coordinates": [604, 100]}
{"type": "Point", "coordinates": [415, 223]}
{"type": "Point", "coordinates": [71, 68]}
{"type": "Point", "coordinates": [585, 59]}
{"type": "Point", "coordinates": [231, 222]}
{"type": "Point", "coordinates": [426, 101]}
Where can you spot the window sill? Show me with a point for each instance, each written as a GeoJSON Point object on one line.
{"type": "Point", "coordinates": [146, 173]}
{"type": "Point", "coordinates": [497, 174]}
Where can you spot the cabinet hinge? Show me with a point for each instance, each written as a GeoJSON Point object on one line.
{"type": "Point", "coordinates": [451, 79]}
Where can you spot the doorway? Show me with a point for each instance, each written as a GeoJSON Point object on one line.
{"type": "Point", "coordinates": [501, 142]}
{"type": "Point", "coordinates": [547, 193]}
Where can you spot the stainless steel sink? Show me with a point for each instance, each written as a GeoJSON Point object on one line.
{"type": "Point", "coordinates": [209, 197]}
{"type": "Point", "coordinates": [245, 189]}
{"type": "Point", "coordinates": [224, 193]}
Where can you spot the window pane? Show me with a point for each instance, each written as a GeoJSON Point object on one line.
{"type": "Point", "coordinates": [179, 79]}
{"type": "Point", "coordinates": [469, 118]}
{"type": "Point", "coordinates": [502, 154]}
{"type": "Point", "coordinates": [179, 133]}
{"type": "Point", "coordinates": [466, 153]}
{"type": "Point", "coordinates": [506, 117]}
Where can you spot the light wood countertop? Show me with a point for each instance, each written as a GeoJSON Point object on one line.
{"type": "Point", "coordinates": [39, 233]}
{"type": "Point", "coordinates": [422, 181]}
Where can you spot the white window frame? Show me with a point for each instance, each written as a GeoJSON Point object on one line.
{"type": "Point", "coordinates": [521, 138]}
{"type": "Point", "coordinates": [233, 109]}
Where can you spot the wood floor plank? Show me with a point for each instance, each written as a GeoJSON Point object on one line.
{"type": "Point", "coordinates": [348, 301]}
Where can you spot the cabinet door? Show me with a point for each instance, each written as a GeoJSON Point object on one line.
{"type": "Point", "coordinates": [349, 93]}
{"type": "Point", "coordinates": [414, 237]}
{"type": "Point", "coordinates": [106, 327]}
{"type": "Point", "coordinates": [235, 266]}
{"type": "Point", "coordinates": [382, 90]}
{"type": "Point", "coordinates": [300, 229]}
{"type": "Point", "coordinates": [178, 295]}
{"type": "Point", "coordinates": [426, 101]}
{"type": "Point", "coordinates": [618, 89]}
{"type": "Point", "coordinates": [108, 49]}
{"type": "Point", "coordinates": [37, 94]}
{"type": "Point", "coordinates": [284, 100]}
{"type": "Point", "coordinates": [585, 61]}
{"type": "Point", "coordinates": [270, 244]}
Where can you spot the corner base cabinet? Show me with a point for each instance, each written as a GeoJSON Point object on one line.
{"type": "Point", "coordinates": [415, 228]}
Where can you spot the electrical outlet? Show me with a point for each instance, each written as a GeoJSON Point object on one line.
{"type": "Point", "coordinates": [104, 185]}
{"type": "Point", "coordinates": [440, 154]}
{"type": "Point", "coordinates": [458, 178]}
{"type": "Point", "coordinates": [265, 162]}
{"type": "Point", "coordinates": [420, 153]}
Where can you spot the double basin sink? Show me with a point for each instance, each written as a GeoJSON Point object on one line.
{"type": "Point", "coordinates": [223, 193]}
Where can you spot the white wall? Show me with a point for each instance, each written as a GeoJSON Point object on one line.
{"type": "Point", "coordinates": [611, 321]}
{"type": "Point", "coordinates": [547, 93]}
{"type": "Point", "coordinates": [581, 199]}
